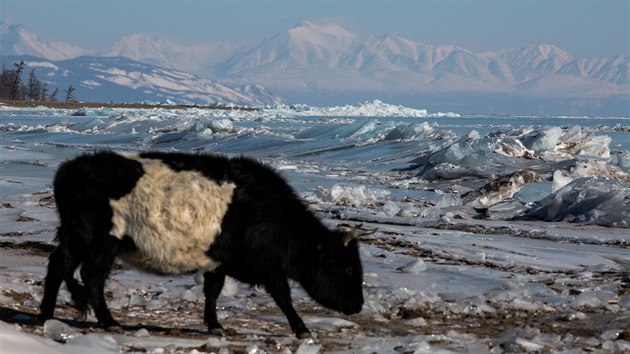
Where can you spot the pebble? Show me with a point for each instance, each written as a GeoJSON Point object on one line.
{"type": "Point", "coordinates": [142, 332]}
{"type": "Point", "coordinates": [58, 331]}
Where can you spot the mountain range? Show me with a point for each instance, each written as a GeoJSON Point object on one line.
{"type": "Point", "coordinates": [327, 64]}
{"type": "Point", "coordinates": [105, 77]}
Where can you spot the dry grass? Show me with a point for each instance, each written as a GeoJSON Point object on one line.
{"type": "Point", "coordinates": [78, 105]}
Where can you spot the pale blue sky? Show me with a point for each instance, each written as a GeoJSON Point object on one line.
{"type": "Point", "coordinates": [590, 28]}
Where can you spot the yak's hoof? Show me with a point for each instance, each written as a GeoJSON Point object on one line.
{"type": "Point", "coordinates": [42, 319]}
{"type": "Point", "coordinates": [82, 316]}
{"type": "Point", "coordinates": [110, 325]}
{"type": "Point", "coordinates": [217, 332]}
{"type": "Point", "coordinates": [220, 332]}
{"type": "Point", "coordinates": [114, 329]}
{"type": "Point", "coordinates": [304, 334]}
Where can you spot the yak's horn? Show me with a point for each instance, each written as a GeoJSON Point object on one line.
{"type": "Point", "coordinates": [354, 233]}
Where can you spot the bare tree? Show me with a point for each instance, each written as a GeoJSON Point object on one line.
{"type": "Point", "coordinates": [44, 91]}
{"type": "Point", "coordinates": [12, 87]}
{"type": "Point", "coordinates": [5, 78]}
{"type": "Point", "coordinates": [69, 95]}
{"type": "Point", "coordinates": [53, 95]}
{"type": "Point", "coordinates": [34, 87]}
{"type": "Point", "coordinates": [16, 80]}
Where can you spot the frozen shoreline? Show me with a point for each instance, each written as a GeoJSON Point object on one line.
{"type": "Point", "coordinates": [439, 289]}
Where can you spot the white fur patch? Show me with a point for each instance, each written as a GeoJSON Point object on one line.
{"type": "Point", "coordinates": [172, 217]}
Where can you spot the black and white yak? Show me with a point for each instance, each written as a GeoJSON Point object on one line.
{"type": "Point", "coordinates": [174, 213]}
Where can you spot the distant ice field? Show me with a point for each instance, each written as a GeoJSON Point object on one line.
{"type": "Point", "coordinates": [56, 122]}
{"type": "Point", "coordinates": [352, 156]}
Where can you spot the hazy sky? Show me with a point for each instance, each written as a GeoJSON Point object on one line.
{"type": "Point", "coordinates": [591, 28]}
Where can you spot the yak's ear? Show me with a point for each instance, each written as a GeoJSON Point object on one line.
{"type": "Point", "coordinates": [354, 232]}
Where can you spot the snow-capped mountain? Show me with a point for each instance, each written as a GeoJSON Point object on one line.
{"type": "Point", "coordinates": [16, 39]}
{"type": "Point", "coordinates": [112, 77]}
{"type": "Point", "coordinates": [303, 47]}
{"type": "Point", "coordinates": [613, 70]}
{"type": "Point", "coordinates": [310, 63]}
{"type": "Point", "coordinates": [119, 79]}
{"type": "Point", "coordinates": [195, 58]}
{"type": "Point", "coordinates": [534, 61]}
{"type": "Point", "coordinates": [308, 56]}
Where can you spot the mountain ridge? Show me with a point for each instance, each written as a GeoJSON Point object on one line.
{"type": "Point", "coordinates": [17, 39]}
{"type": "Point", "coordinates": [104, 76]}
{"type": "Point", "coordinates": [309, 62]}
{"type": "Point", "coordinates": [120, 79]}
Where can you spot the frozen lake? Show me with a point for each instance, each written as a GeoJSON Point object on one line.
{"type": "Point", "coordinates": [495, 233]}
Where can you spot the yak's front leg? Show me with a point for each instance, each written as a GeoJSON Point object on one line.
{"type": "Point", "coordinates": [212, 285]}
{"type": "Point", "coordinates": [278, 288]}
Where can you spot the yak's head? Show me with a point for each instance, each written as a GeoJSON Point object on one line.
{"type": "Point", "coordinates": [334, 275]}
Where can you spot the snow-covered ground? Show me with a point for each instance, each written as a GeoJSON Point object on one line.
{"type": "Point", "coordinates": [495, 234]}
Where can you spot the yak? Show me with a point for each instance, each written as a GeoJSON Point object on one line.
{"type": "Point", "coordinates": [174, 213]}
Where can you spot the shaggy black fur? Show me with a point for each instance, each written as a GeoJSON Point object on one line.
{"type": "Point", "coordinates": [268, 235]}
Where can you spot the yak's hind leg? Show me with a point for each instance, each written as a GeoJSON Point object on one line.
{"type": "Point", "coordinates": [78, 293]}
{"type": "Point", "coordinates": [59, 264]}
{"type": "Point", "coordinates": [63, 261]}
{"type": "Point", "coordinates": [212, 285]}
{"type": "Point", "coordinates": [97, 265]}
